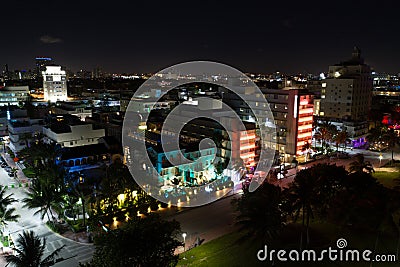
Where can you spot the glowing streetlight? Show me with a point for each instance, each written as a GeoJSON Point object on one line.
{"type": "Point", "coordinates": [184, 244]}
{"type": "Point", "coordinates": [380, 160]}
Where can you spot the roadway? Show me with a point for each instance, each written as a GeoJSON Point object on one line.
{"type": "Point", "coordinates": [73, 252]}
{"type": "Point", "coordinates": [216, 219]}
{"type": "Point", "coordinates": [206, 222]}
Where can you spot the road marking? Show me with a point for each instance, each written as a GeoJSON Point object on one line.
{"type": "Point", "coordinates": [81, 249]}
{"type": "Point", "coordinates": [84, 258]}
{"type": "Point", "coordinates": [50, 244]}
{"type": "Point", "coordinates": [59, 241]}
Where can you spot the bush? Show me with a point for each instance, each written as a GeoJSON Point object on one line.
{"type": "Point", "coordinates": [29, 172]}
{"type": "Point", "coordinates": [77, 226]}
{"type": "Point", "coordinates": [55, 227]}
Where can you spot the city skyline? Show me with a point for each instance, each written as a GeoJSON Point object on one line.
{"type": "Point", "coordinates": [255, 37]}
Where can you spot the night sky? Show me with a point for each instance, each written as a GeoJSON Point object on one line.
{"type": "Point", "coordinates": [147, 36]}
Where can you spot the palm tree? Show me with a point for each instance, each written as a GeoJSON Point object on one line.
{"type": "Point", "coordinates": [43, 196]}
{"type": "Point", "coordinates": [261, 212]}
{"type": "Point", "coordinates": [5, 200]}
{"type": "Point", "coordinates": [6, 214]}
{"type": "Point", "coordinates": [77, 192]}
{"type": "Point", "coordinates": [30, 250]}
{"type": "Point", "coordinates": [324, 133]}
{"type": "Point", "coordinates": [341, 137]}
{"type": "Point", "coordinates": [303, 193]}
{"type": "Point", "coordinates": [359, 165]}
{"type": "Point", "coordinates": [393, 139]}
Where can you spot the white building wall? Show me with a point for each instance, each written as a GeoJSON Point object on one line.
{"type": "Point", "coordinates": [54, 84]}
{"type": "Point", "coordinates": [80, 135]}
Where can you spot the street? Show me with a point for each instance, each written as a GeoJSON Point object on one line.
{"type": "Point", "coordinates": [371, 156]}
{"type": "Point", "coordinates": [216, 219]}
{"type": "Point", "coordinates": [73, 252]}
{"type": "Point", "coordinates": [205, 222]}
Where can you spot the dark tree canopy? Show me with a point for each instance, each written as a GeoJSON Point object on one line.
{"type": "Point", "coordinates": [147, 241]}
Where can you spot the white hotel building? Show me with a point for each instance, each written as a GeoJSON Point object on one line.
{"type": "Point", "coordinates": [54, 84]}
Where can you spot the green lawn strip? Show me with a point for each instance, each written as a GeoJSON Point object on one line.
{"type": "Point", "coordinates": [228, 251]}
{"type": "Point", "coordinates": [386, 178]}
{"type": "Point", "coordinates": [224, 251]}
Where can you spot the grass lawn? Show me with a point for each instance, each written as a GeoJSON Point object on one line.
{"type": "Point", "coordinates": [223, 251]}
{"type": "Point", "coordinates": [229, 250]}
{"type": "Point", "coordinates": [386, 178]}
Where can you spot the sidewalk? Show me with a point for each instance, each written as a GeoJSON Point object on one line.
{"type": "Point", "coordinates": [20, 176]}
{"type": "Point", "coordinates": [80, 237]}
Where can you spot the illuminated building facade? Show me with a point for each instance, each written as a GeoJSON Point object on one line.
{"type": "Point", "coordinates": [346, 95]}
{"type": "Point", "coordinates": [54, 84]}
{"type": "Point", "coordinates": [198, 170]}
{"type": "Point", "coordinates": [293, 114]}
{"type": "Point", "coordinates": [13, 95]}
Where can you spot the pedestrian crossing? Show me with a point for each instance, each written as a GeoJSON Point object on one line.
{"type": "Point", "coordinates": [80, 252]}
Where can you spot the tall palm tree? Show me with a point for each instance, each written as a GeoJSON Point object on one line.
{"type": "Point", "coordinates": [7, 214]}
{"type": "Point", "coordinates": [303, 193]}
{"type": "Point", "coordinates": [30, 251]}
{"type": "Point", "coordinates": [341, 137]}
{"type": "Point", "coordinates": [43, 196]}
{"type": "Point", "coordinates": [261, 213]}
{"type": "Point", "coordinates": [5, 200]}
{"type": "Point", "coordinates": [325, 133]}
{"type": "Point", "coordinates": [393, 139]}
{"type": "Point", "coordinates": [360, 165]}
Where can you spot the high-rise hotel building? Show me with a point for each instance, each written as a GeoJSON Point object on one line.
{"type": "Point", "coordinates": [292, 110]}
{"type": "Point", "coordinates": [54, 84]}
{"type": "Point", "coordinates": [346, 95]}
{"type": "Point", "coordinates": [293, 114]}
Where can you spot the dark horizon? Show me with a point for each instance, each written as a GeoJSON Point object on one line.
{"type": "Point", "coordinates": [255, 37]}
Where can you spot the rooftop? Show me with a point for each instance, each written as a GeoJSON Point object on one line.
{"type": "Point", "coordinates": [67, 153]}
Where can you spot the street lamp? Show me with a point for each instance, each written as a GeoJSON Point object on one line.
{"type": "Point", "coordinates": [184, 244]}
{"type": "Point", "coordinates": [380, 159]}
